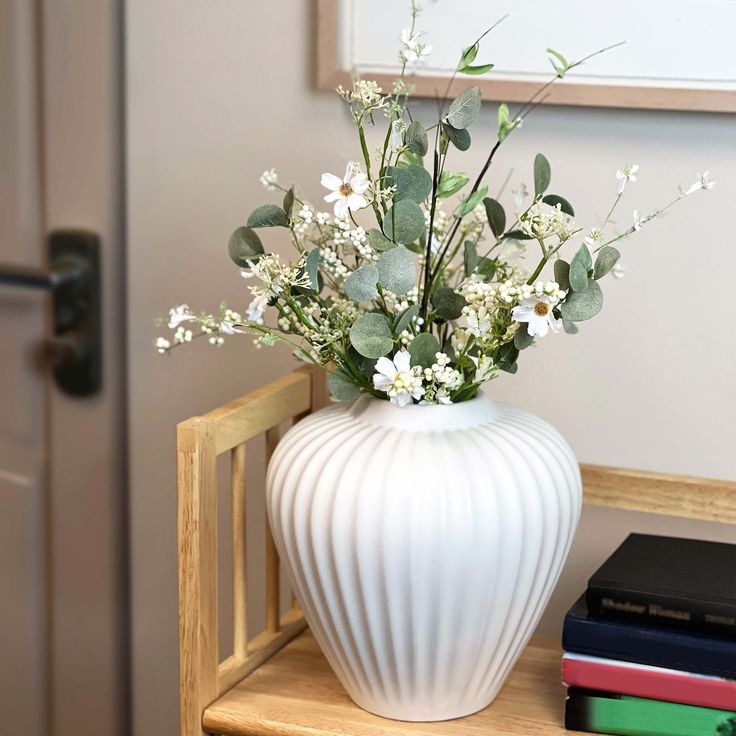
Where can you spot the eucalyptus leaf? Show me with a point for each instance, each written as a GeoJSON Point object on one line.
{"type": "Point", "coordinates": [570, 327]}
{"type": "Point", "coordinates": [423, 350]}
{"type": "Point", "coordinates": [459, 138]}
{"type": "Point", "coordinates": [517, 235]}
{"type": "Point", "coordinates": [496, 216]}
{"type": "Point", "coordinates": [244, 245]}
{"type": "Point", "coordinates": [555, 199]}
{"type": "Point", "coordinates": [507, 357]}
{"type": "Point", "coordinates": [378, 241]}
{"type": "Point", "coordinates": [411, 182]}
{"type": "Point", "coordinates": [522, 338]}
{"type": "Point", "coordinates": [472, 201]}
{"type": "Point", "coordinates": [468, 56]}
{"type": "Point", "coordinates": [342, 385]}
{"type": "Point", "coordinates": [542, 174]}
{"type": "Point", "coordinates": [404, 222]}
{"type": "Point", "coordinates": [360, 285]}
{"type": "Point", "coordinates": [312, 267]}
{"type": "Point", "coordinates": [464, 108]}
{"type": "Point", "coordinates": [289, 202]}
{"type": "Point", "coordinates": [476, 70]}
{"type": "Point", "coordinates": [579, 267]}
{"type": "Point", "coordinates": [415, 138]}
{"type": "Point", "coordinates": [448, 303]}
{"type": "Point", "coordinates": [268, 215]}
{"type": "Point", "coordinates": [581, 305]}
{"type": "Point", "coordinates": [470, 257]}
{"type": "Point", "coordinates": [562, 274]}
{"type": "Point", "coordinates": [505, 126]}
{"type": "Point", "coordinates": [607, 258]}
{"type": "Point", "coordinates": [450, 184]}
{"type": "Point", "coordinates": [396, 271]}
{"type": "Point", "coordinates": [406, 318]}
{"type": "Point", "coordinates": [371, 336]}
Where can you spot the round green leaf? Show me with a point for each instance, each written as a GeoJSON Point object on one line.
{"type": "Point", "coordinates": [459, 138]}
{"type": "Point", "coordinates": [579, 267]}
{"type": "Point", "coordinates": [448, 303]}
{"type": "Point", "coordinates": [396, 271]}
{"type": "Point", "coordinates": [607, 258]}
{"type": "Point", "coordinates": [244, 245]}
{"type": "Point", "coordinates": [415, 139]}
{"type": "Point", "coordinates": [555, 199]}
{"type": "Point", "coordinates": [411, 182]}
{"type": "Point", "coordinates": [496, 216]}
{"type": "Point", "coordinates": [379, 241]}
{"type": "Point", "coordinates": [312, 267]}
{"type": "Point", "coordinates": [371, 336]}
{"type": "Point", "coordinates": [404, 222]}
{"type": "Point", "coordinates": [562, 274]}
{"type": "Point", "coordinates": [342, 385]}
{"type": "Point", "coordinates": [361, 284]}
{"type": "Point", "coordinates": [405, 318]}
{"type": "Point", "coordinates": [423, 350]}
{"type": "Point", "coordinates": [268, 215]}
{"type": "Point", "coordinates": [542, 174]}
{"type": "Point", "coordinates": [522, 338]}
{"type": "Point", "coordinates": [581, 305]}
{"type": "Point", "coordinates": [464, 109]}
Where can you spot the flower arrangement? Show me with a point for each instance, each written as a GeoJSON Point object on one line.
{"type": "Point", "coordinates": [411, 288]}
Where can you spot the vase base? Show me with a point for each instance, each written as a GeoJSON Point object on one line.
{"type": "Point", "coordinates": [419, 714]}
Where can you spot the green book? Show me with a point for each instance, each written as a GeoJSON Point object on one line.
{"type": "Point", "coordinates": [599, 712]}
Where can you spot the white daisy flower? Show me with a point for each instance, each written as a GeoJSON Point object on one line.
{"type": "Point", "coordinates": [703, 182]}
{"type": "Point", "coordinates": [413, 49]}
{"type": "Point", "coordinates": [536, 311]}
{"type": "Point", "coordinates": [628, 173]}
{"type": "Point", "coordinates": [347, 193]}
{"type": "Point", "coordinates": [398, 379]}
{"type": "Point", "coordinates": [180, 314]}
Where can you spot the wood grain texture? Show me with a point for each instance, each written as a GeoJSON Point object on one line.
{"type": "Point", "coordinates": [329, 76]}
{"type": "Point", "coordinates": [239, 525]}
{"type": "Point", "coordinates": [660, 493]}
{"type": "Point", "coordinates": [197, 553]}
{"type": "Point", "coordinates": [273, 577]}
{"type": "Point", "coordinates": [297, 694]}
{"type": "Point", "coordinates": [266, 407]}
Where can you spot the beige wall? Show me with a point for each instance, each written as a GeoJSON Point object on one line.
{"type": "Point", "coordinates": [218, 92]}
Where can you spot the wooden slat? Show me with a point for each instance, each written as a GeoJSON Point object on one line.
{"type": "Point", "coordinates": [197, 534]}
{"type": "Point", "coordinates": [297, 694]}
{"type": "Point", "coordinates": [273, 577]}
{"type": "Point", "coordinates": [262, 648]}
{"type": "Point", "coordinates": [260, 410]}
{"type": "Point", "coordinates": [660, 493]}
{"type": "Point", "coordinates": [239, 568]}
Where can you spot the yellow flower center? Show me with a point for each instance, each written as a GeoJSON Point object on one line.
{"type": "Point", "coordinates": [346, 189]}
{"type": "Point", "coordinates": [541, 308]}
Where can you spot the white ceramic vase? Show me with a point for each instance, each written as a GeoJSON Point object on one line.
{"type": "Point", "coordinates": [423, 543]}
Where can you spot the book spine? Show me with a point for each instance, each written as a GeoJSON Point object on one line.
{"type": "Point", "coordinates": [652, 683]}
{"type": "Point", "coordinates": [662, 609]}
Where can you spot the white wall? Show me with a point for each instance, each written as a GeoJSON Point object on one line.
{"type": "Point", "coordinates": [218, 92]}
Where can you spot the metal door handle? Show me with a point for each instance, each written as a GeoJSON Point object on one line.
{"type": "Point", "coordinates": [73, 278]}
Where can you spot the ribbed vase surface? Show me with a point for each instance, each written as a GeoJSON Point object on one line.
{"type": "Point", "coordinates": [423, 543]}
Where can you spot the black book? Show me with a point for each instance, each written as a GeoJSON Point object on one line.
{"type": "Point", "coordinates": [686, 583]}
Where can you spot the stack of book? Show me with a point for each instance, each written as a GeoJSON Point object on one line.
{"type": "Point", "coordinates": [650, 648]}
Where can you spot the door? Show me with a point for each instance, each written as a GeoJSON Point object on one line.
{"type": "Point", "coordinates": [63, 610]}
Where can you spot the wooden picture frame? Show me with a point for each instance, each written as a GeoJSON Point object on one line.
{"type": "Point", "coordinates": [567, 92]}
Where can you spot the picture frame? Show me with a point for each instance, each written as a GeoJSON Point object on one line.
{"type": "Point", "coordinates": [667, 91]}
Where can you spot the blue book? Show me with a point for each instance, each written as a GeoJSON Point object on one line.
{"type": "Point", "coordinates": [660, 646]}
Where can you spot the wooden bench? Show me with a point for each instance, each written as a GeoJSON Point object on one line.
{"type": "Point", "coordinates": [277, 682]}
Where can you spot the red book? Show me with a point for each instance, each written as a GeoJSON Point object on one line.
{"type": "Point", "coordinates": [645, 681]}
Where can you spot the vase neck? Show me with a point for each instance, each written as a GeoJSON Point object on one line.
{"type": "Point", "coordinates": [424, 417]}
